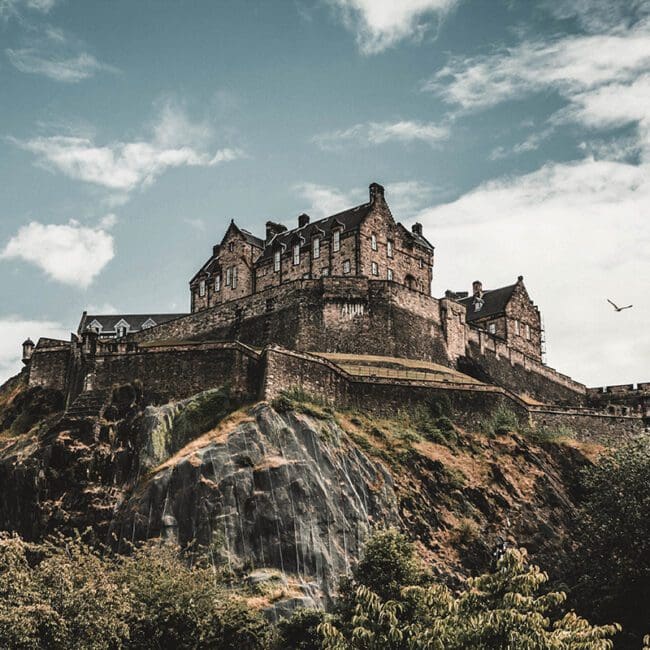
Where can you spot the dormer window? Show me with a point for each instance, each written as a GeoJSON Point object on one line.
{"type": "Point", "coordinates": [202, 288]}
{"type": "Point", "coordinates": [373, 241]}
{"type": "Point", "coordinates": [231, 246]}
{"type": "Point", "coordinates": [336, 241]}
{"type": "Point", "coordinates": [296, 254]}
{"type": "Point", "coordinates": [122, 328]}
{"type": "Point", "coordinates": [389, 248]}
{"type": "Point", "coordinates": [95, 326]}
{"type": "Point", "coordinates": [276, 260]}
{"type": "Point", "coordinates": [478, 304]}
{"type": "Point", "coordinates": [150, 322]}
{"type": "Point", "coordinates": [315, 248]}
{"type": "Point", "coordinates": [228, 276]}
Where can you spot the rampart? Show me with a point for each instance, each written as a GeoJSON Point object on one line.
{"type": "Point", "coordinates": [491, 360]}
{"type": "Point", "coordinates": [622, 399]}
{"type": "Point", "coordinates": [49, 365]}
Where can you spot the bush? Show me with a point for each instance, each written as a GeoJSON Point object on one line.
{"type": "Point", "coordinates": [300, 632]}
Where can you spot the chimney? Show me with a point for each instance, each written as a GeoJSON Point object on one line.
{"type": "Point", "coordinates": [215, 250]}
{"type": "Point", "coordinates": [416, 228]}
{"type": "Point", "coordinates": [28, 350]}
{"type": "Point", "coordinates": [477, 289]}
{"type": "Point", "coordinates": [376, 192]}
{"type": "Point", "coordinates": [303, 220]}
{"type": "Point", "coordinates": [520, 279]}
{"type": "Point", "coordinates": [273, 229]}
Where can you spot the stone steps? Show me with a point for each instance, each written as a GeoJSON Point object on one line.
{"type": "Point", "coordinates": [88, 404]}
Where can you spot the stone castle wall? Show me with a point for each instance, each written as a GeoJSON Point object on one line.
{"type": "Point", "coordinates": [49, 365]}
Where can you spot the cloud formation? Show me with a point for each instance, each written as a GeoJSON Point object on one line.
{"type": "Point", "coordinates": [126, 166]}
{"type": "Point", "coordinates": [375, 133]}
{"type": "Point", "coordinates": [579, 234]}
{"type": "Point", "coordinates": [10, 8]}
{"type": "Point", "coordinates": [381, 24]}
{"type": "Point", "coordinates": [68, 69]}
{"type": "Point", "coordinates": [13, 331]}
{"type": "Point", "coordinates": [68, 253]}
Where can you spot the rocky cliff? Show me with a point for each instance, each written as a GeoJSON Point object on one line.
{"type": "Point", "coordinates": [292, 485]}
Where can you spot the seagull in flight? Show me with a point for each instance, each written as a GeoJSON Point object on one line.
{"type": "Point", "coordinates": [616, 307]}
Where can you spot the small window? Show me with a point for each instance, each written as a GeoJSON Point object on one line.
{"type": "Point", "coordinates": [346, 266]}
{"type": "Point", "coordinates": [516, 328]}
{"type": "Point", "coordinates": [492, 328]}
{"type": "Point", "coordinates": [217, 283]}
{"type": "Point", "coordinates": [231, 246]}
{"type": "Point", "coordinates": [389, 248]}
{"type": "Point", "coordinates": [234, 277]}
{"type": "Point", "coordinates": [296, 254]}
{"type": "Point", "coordinates": [390, 274]}
{"type": "Point", "coordinates": [325, 272]}
{"type": "Point", "coordinates": [421, 261]}
{"type": "Point", "coordinates": [202, 288]}
{"type": "Point", "coordinates": [527, 329]}
{"type": "Point", "coordinates": [373, 241]}
{"type": "Point", "coordinates": [375, 268]}
{"type": "Point", "coordinates": [336, 242]}
{"type": "Point", "coordinates": [276, 261]}
{"type": "Point", "coordinates": [315, 248]}
{"type": "Point", "coordinates": [228, 276]}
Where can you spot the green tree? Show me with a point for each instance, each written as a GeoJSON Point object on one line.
{"type": "Point", "coordinates": [613, 554]}
{"type": "Point", "coordinates": [505, 609]}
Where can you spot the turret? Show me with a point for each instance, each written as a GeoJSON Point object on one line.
{"type": "Point", "coordinates": [28, 350]}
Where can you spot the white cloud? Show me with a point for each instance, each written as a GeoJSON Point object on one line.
{"type": "Point", "coordinates": [56, 66]}
{"type": "Point", "coordinates": [571, 65]}
{"type": "Point", "coordinates": [13, 331]}
{"type": "Point", "coordinates": [579, 234]}
{"type": "Point", "coordinates": [374, 133]}
{"type": "Point", "coordinates": [125, 166]}
{"type": "Point", "coordinates": [69, 253]}
{"type": "Point", "coordinates": [325, 201]}
{"type": "Point", "coordinates": [381, 24]}
{"type": "Point", "coordinates": [10, 8]}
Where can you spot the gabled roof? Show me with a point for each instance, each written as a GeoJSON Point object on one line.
{"type": "Point", "coordinates": [248, 237]}
{"type": "Point", "coordinates": [135, 321]}
{"type": "Point", "coordinates": [348, 219]}
{"type": "Point", "coordinates": [494, 303]}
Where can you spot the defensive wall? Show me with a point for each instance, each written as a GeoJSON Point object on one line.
{"type": "Point", "coordinates": [374, 316]}
{"type": "Point", "coordinates": [622, 399]}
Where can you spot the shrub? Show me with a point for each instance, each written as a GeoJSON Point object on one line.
{"type": "Point", "coordinates": [300, 632]}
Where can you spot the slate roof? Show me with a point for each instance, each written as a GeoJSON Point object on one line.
{"type": "Point", "coordinates": [349, 219]}
{"type": "Point", "coordinates": [135, 321]}
{"type": "Point", "coordinates": [494, 303]}
{"type": "Point", "coordinates": [251, 239]}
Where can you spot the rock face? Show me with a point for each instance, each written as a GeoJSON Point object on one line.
{"type": "Point", "coordinates": [289, 487]}
{"type": "Point", "coordinates": [282, 490]}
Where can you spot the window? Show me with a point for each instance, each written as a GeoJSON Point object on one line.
{"type": "Point", "coordinates": [421, 261]}
{"type": "Point", "coordinates": [336, 242]}
{"type": "Point", "coordinates": [325, 272]}
{"type": "Point", "coordinates": [315, 248]}
{"type": "Point", "coordinates": [527, 329]}
{"type": "Point", "coordinates": [375, 268]}
{"type": "Point", "coordinates": [516, 328]}
{"type": "Point", "coordinates": [202, 288]}
{"type": "Point", "coordinates": [276, 261]}
{"type": "Point", "coordinates": [492, 328]}
{"type": "Point", "coordinates": [234, 277]}
{"type": "Point", "coordinates": [231, 246]}
{"type": "Point", "coordinates": [389, 248]}
{"type": "Point", "coordinates": [228, 276]}
{"type": "Point", "coordinates": [390, 274]}
{"type": "Point", "coordinates": [217, 283]}
{"type": "Point", "coordinates": [373, 241]}
{"type": "Point", "coordinates": [296, 254]}
{"type": "Point", "coordinates": [346, 266]}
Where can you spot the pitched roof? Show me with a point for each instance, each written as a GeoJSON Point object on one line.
{"type": "Point", "coordinates": [494, 302]}
{"type": "Point", "coordinates": [135, 321]}
{"type": "Point", "coordinates": [349, 219]}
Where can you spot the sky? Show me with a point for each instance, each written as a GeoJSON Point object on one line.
{"type": "Point", "coordinates": [516, 131]}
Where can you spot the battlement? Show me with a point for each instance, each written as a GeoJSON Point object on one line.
{"type": "Point", "coordinates": [620, 389]}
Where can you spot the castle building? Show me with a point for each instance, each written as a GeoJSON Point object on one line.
{"type": "Point", "coordinates": [114, 326]}
{"type": "Point", "coordinates": [362, 242]}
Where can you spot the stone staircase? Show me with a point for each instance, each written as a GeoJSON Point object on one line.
{"type": "Point", "coordinates": [88, 404]}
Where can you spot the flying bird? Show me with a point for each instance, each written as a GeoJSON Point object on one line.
{"type": "Point", "coordinates": [616, 307]}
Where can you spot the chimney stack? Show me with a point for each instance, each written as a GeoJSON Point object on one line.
{"type": "Point", "coordinates": [477, 289]}
{"type": "Point", "coordinates": [303, 220]}
{"type": "Point", "coordinates": [416, 228]}
{"type": "Point", "coordinates": [376, 192]}
{"type": "Point", "coordinates": [273, 229]}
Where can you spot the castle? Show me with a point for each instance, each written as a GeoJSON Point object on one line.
{"type": "Point", "coordinates": [341, 306]}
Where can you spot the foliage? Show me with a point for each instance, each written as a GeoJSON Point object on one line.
{"type": "Point", "coordinates": [501, 422]}
{"type": "Point", "coordinates": [300, 632]}
{"type": "Point", "coordinates": [613, 554]}
{"type": "Point", "coordinates": [504, 609]}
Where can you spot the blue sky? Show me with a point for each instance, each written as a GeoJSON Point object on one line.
{"type": "Point", "coordinates": [517, 132]}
